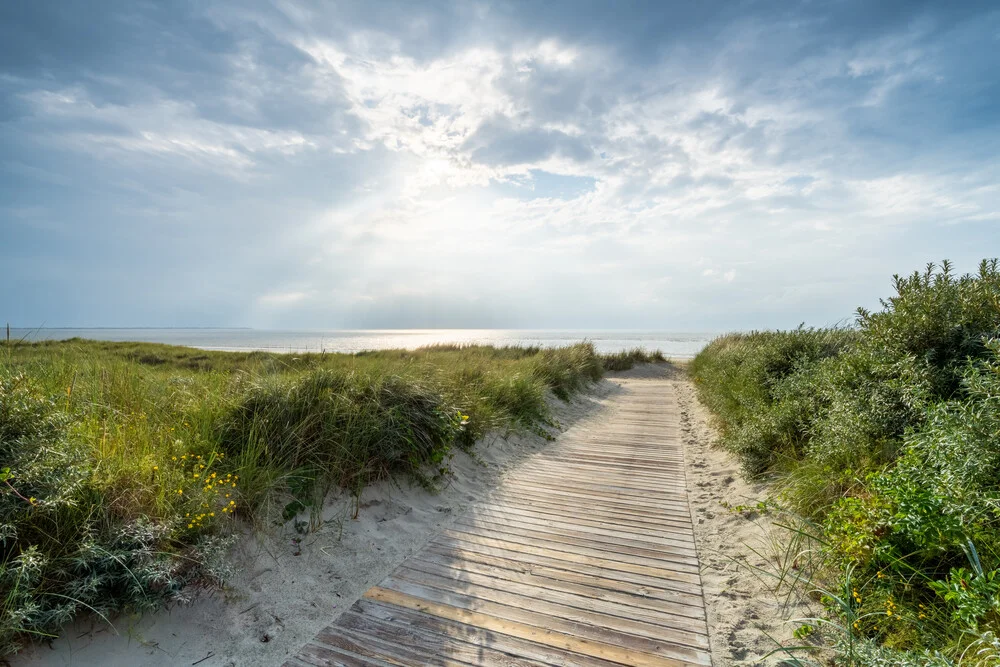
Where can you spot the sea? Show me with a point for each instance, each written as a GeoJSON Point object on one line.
{"type": "Point", "coordinates": [673, 344]}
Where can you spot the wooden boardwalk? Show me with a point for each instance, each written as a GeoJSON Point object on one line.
{"type": "Point", "coordinates": [585, 556]}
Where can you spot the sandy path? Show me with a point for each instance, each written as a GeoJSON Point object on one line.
{"type": "Point", "coordinates": [738, 544]}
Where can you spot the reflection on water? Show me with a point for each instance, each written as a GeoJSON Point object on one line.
{"type": "Point", "coordinates": [673, 344]}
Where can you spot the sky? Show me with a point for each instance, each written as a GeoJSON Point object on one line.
{"type": "Point", "coordinates": [664, 165]}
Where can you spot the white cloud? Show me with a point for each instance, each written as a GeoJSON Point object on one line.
{"type": "Point", "coordinates": [157, 127]}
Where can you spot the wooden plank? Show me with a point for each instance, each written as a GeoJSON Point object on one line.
{"type": "Point", "coordinates": [599, 491]}
{"type": "Point", "coordinates": [463, 593]}
{"type": "Point", "coordinates": [576, 637]}
{"type": "Point", "coordinates": [589, 497]}
{"type": "Point", "coordinates": [571, 511]}
{"type": "Point", "coordinates": [582, 597]}
{"type": "Point", "coordinates": [583, 502]}
{"type": "Point", "coordinates": [581, 521]}
{"type": "Point", "coordinates": [664, 589]}
{"type": "Point", "coordinates": [581, 464]}
{"type": "Point", "coordinates": [569, 538]}
{"type": "Point", "coordinates": [644, 536]}
{"type": "Point", "coordinates": [605, 484]}
{"type": "Point", "coordinates": [375, 646]}
{"type": "Point", "coordinates": [590, 586]}
{"type": "Point", "coordinates": [652, 470]}
{"type": "Point", "coordinates": [610, 558]}
{"type": "Point", "coordinates": [645, 533]}
{"type": "Point", "coordinates": [675, 551]}
{"type": "Point", "coordinates": [680, 582]}
{"type": "Point", "coordinates": [626, 507]}
{"type": "Point", "coordinates": [328, 656]}
{"type": "Point", "coordinates": [450, 630]}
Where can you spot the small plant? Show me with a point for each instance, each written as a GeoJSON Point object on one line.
{"type": "Point", "coordinates": [971, 595]}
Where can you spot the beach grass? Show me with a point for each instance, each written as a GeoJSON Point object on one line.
{"type": "Point", "coordinates": [626, 359]}
{"type": "Point", "coordinates": [127, 467]}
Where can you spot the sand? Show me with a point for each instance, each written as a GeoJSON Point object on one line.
{"type": "Point", "coordinates": [288, 586]}
{"type": "Point", "coordinates": [747, 617]}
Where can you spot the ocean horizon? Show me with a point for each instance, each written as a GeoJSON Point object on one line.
{"type": "Point", "coordinates": [671, 343]}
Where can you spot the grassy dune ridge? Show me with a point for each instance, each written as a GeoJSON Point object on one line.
{"type": "Point", "coordinates": [125, 467]}
{"type": "Point", "coordinates": [884, 438]}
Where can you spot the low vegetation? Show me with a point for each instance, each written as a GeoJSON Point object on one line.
{"type": "Point", "coordinates": [623, 361]}
{"type": "Point", "coordinates": [884, 438]}
{"type": "Point", "coordinates": [123, 465]}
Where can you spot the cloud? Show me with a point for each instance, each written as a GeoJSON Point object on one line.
{"type": "Point", "coordinates": [583, 164]}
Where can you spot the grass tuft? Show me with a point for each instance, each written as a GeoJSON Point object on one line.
{"type": "Point", "coordinates": [627, 359]}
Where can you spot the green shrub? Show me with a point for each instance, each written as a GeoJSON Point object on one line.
{"type": "Point", "coordinates": [886, 434]}
{"type": "Point", "coordinates": [761, 387]}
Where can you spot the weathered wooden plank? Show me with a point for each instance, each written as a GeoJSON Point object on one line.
{"type": "Point", "coordinates": [376, 646]}
{"type": "Point", "coordinates": [530, 587]}
{"type": "Point", "coordinates": [598, 470]}
{"type": "Point", "coordinates": [463, 593]}
{"type": "Point", "coordinates": [562, 491]}
{"type": "Point", "coordinates": [657, 550]}
{"type": "Point", "coordinates": [329, 656]}
{"type": "Point", "coordinates": [571, 511]}
{"type": "Point", "coordinates": [570, 538]}
{"type": "Point", "coordinates": [636, 584]}
{"type": "Point", "coordinates": [669, 506]}
{"type": "Point", "coordinates": [597, 491]}
{"type": "Point", "coordinates": [612, 590]}
{"type": "Point", "coordinates": [604, 485]}
{"type": "Point", "coordinates": [648, 534]}
{"type": "Point", "coordinates": [451, 630]}
{"type": "Point", "coordinates": [584, 503]}
{"type": "Point", "coordinates": [613, 559]}
{"type": "Point", "coordinates": [678, 583]}
{"type": "Point", "coordinates": [577, 637]}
